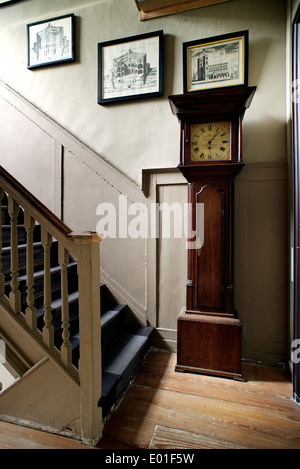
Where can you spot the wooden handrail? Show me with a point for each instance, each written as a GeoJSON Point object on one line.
{"type": "Point", "coordinates": [44, 212]}
{"type": "Point", "coordinates": [85, 248]}
{"type": "Point", "coordinates": [34, 202]}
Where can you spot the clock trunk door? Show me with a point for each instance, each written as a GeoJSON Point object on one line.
{"type": "Point", "coordinates": [209, 257]}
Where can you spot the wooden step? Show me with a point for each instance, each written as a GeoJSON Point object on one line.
{"type": "Point", "coordinates": [56, 312]}
{"type": "Point", "coordinates": [107, 300]}
{"type": "Point", "coordinates": [112, 320]}
{"type": "Point", "coordinates": [121, 360]}
{"type": "Point", "coordinates": [21, 232]}
{"type": "Point", "coordinates": [5, 218]}
{"type": "Point", "coordinates": [39, 284]}
{"type": "Point", "coordinates": [38, 257]}
{"type": "Point", "coordinates": [123, 348]}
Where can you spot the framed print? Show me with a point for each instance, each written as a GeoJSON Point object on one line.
{"type": "Point", "coordinates": [50, 41]}
{"type": "Point", "coordinates": [130, 68]}
{"type": "Point", "coordinates": [216, 62]}
{"type": "Point", "coordinates": [5, 2]}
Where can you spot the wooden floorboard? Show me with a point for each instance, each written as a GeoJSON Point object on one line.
{"type": "Point", "coordinates": [164, 409]}
{"type": "Point", "coordinates": [14, 436]}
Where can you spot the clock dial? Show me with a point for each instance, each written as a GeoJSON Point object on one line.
{"type": "Point", "coordinates": [210, 141]}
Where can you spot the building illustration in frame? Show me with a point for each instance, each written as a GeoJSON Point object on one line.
{"type": "Point", "coordinates": [129, 69]}
{"type": "Point", "coordinates": [51, 43]}
{"type": "Point", "coordinates": [215, 63]}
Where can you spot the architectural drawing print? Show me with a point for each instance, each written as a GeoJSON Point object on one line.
{"type": "Point", "coordinates": [220, 62]}
{"type": "Point", "coordinates": [50, 41]}
{"type": "Point", "coordinates": [130, 68]}
{"type": "Point", "coordinates": [216, 62]}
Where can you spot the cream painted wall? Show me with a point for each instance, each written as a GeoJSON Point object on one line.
{"type": "Point", "coordinates": [133, 136]}
{"type": "Point", "coordinates": [144, 134]}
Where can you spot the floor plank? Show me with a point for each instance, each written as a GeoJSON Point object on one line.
{"type": "Point", "coordinates": [258, 413]}
{"type": "Point", "coordinates": [164, 409]}
{"type": "Point", "coordinates": [170, 438]}
{"type": "Point", "coordinates": [14, 436]}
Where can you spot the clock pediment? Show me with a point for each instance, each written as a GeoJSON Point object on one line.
{"type": "Point", "coordinates": [210, 104]}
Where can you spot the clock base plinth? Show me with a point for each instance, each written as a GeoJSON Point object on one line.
{"type": "Point", "coordinates": [209, 344]}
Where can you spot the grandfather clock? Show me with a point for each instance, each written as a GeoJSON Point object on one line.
{"type": "Point", "coordinates": [208, 331]}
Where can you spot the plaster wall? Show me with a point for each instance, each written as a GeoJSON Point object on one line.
{"type": "Point", "coordinates": [143, 134]}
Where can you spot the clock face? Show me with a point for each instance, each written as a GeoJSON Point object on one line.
{"type": "Point", "coordinates": [210, 141]}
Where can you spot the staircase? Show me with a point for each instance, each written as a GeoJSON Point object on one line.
{"type": "Point", "coordinates": [123, 346]}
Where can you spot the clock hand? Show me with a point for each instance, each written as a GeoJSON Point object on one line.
{"type": "Point", "coordinates": [214, 137]}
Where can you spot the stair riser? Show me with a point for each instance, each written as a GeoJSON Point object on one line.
{"type": "Point", "coordinates": [5, 218]}
{"type": "Point", "coordinates": [107, 302]}
{"type": "Point", "coordinates": [56, 318]}
{"type": "Point", "coordinates": [38, 258]}
{"type": "Point", "coordinates": [125, 361]}
{"type": "Point", "coordinates": [108, 330]}
{"type": "Point", "coordinates": [39, 287]}
{"type": "Point", "coordinates": [21, 235]}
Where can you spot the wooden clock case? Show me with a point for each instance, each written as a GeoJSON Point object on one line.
{"type": "Point", "coordinates": [208, 331]}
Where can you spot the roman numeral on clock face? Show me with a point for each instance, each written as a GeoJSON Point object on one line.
{"type": "Point", "coordinates": [210, 141]}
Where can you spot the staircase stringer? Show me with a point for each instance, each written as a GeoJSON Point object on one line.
{"type": "Point", "coordinates": [44, 396]}
{"type": "Point", "coordinates": [21, 324]}
{"type": "Point", "coordinates": [39, 402]}
{"type": "Point", "coordinates": [28, 343]}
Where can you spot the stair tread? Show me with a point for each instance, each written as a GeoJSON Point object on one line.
{"type": "Point", "coordinates": [109, 380]}
{"type": "Point", "coordinates": [22, 246]}
{"type": "Point", "coordinates": [71, 296]}
{"type": "Point", "coordinates": [110, 314]}
{"type": "Point", "coordinates": [57, 303]}
{"type": "Point", "coordinates": [40, 273]}
{"type": "Point", "coordinates": [126, 347]}
{"type": "Point", "coordinates": [123, 347]}
{"type": "Point", "coordinates": [54, 269]}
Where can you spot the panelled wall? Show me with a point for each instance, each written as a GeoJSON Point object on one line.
{"type": "Point", "coordinates": [261, 261]}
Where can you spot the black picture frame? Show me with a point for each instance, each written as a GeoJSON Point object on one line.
{"type": "Point", "coordinates": [130, 68]}
{"type": "Point", "coordinates": [43, 52]}
{"type": "Point", "coordinates": [8, 2]}
{"type": "Point", "coordinates": [216, 62]}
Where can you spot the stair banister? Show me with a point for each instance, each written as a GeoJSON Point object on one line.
{"type": "Point", "coordinates": [2, 280]}
{"type": "Point", "coordinates": [85, 248]}
{"type": "Point", "coordinates": [90, 331]}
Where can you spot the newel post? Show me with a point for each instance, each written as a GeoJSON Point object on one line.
{"type": "Point", "coordinates": [88, 269]}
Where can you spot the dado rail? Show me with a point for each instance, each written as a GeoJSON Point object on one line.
{"type": "Point", "coordinates": [50, 392]}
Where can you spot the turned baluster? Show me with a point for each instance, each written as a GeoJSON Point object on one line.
{"type": "Point", "coordinates": [2, 280]}
{"type": "Point", "coordinates": [48, 329]}
{"type": "Point", "coordinates": [30, 312]}
{"type": "Point", "coordinates": [66, 348]}
{"type": "Point", "coordinates": [14, 295]}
